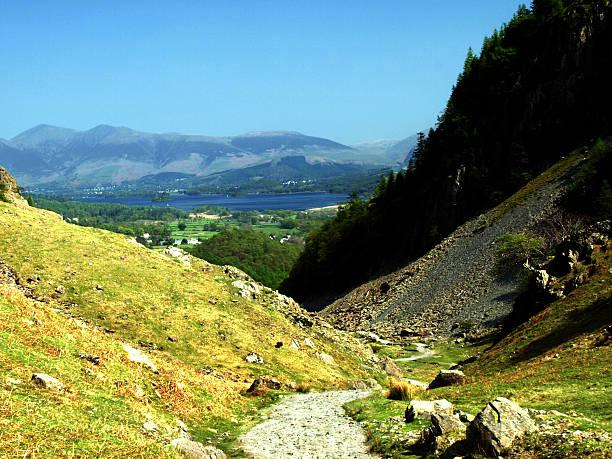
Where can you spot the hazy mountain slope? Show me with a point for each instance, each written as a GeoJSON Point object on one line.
{"type": "Point", "coordinates": [401, 152]}
{"type": "Point", "coordinates": [287, 168]}
{"type": "Point", "coordinates": [453, 283]}
{"type": "Point", "coordinates": [93, 292]}
{"type": "Point", "coordinates": [107, 154]}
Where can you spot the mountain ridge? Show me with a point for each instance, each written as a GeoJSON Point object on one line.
{"type": "Point", "coordinates": [108, 154]}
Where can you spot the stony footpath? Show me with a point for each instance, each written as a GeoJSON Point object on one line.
{"type": "Point", "coordinates": [308, 426]}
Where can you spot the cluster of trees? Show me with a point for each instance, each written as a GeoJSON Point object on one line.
{"type": "Point", "coordinates": [536, 91]}
{"type": "Point", "coordinates": [133, 221]}
{"type": "Point", "coordinates": [264, 259]}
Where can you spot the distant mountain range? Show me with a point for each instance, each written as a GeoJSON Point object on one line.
{"type": "Point", "coordinates": [107, 154]}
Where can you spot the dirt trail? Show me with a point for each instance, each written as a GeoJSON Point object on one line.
{"type": "Point", "coordinates": [308, 426]}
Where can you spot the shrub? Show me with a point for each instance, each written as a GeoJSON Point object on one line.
{"type": "Point", "coordinates": [401, 390]}
{"type": "Point", "coordinates": [517, 249]}
{"type": "Point", "coordinates": [3, 189]}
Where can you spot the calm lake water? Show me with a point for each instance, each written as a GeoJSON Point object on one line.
{"type": "Point", "coordinates": [292, 201]}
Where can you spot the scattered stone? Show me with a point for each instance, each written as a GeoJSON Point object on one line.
{"type": "Point", "coordinates": [234, 273]}
{"type": "Point", "coordinates": [91, 358]}
{"type": "Point", "coordinates": [497, 426]}
{"type": "Point", "coordinates": [47, 382]}
{"type": "Point", "coordinates": [99, 288]}
{"type": "Point", "coordinates": [60, 289]}
{"type": "Point", "coordinates": [448, 378]}
{"type": "Point", "coordinates": [264, 382]}
{"type": "Point", "coordinates": [14, 381]}
{"type": "Point", "coordinates": [172, 339]}
{"type": "Point", "coordinates": [33, 279]}
{"type": "Point", "coordinates": [326, 358]}
{"type": "Point", "coordinates": [137, 356]}
{"type": "Point", "coordinates": [179, 254]}
{"type": "Point", "coordinates": [197, 450]}
{"type": "Point", "coordinates": [295, 345]}
{"type": "Point", "coordinates": [423, 409]}
{"type": "Point", "coordinates": [366, 384]}
{"type": "Point", "coordinates": [308, 342]}
{"type": "Point", "coordinates": [254, 358]}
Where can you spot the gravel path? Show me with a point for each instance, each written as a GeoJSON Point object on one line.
{"type": "Point", "coordinates": [308, 426]}
{"type": "Point", "coordinates": [423, 353]}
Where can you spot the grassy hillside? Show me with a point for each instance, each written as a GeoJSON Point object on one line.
{"type": "Point", "coordinates": [96, 291]}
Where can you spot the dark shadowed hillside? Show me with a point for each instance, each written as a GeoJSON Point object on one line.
{"type": "Point", "coordinates": [537, 90]}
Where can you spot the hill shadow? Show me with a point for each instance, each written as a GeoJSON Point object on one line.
{"type": "Point", "coordinates": [576, 322]}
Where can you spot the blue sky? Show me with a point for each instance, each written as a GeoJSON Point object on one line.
{"type": "Point", "coordinates": [347, 70]}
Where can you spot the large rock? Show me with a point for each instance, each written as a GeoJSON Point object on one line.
{"type": "Point", "coordinates": [47, 382]}
{"type": "Point", "coordinates": [423, 409]}
{"type": "Point", "coordinates": [197, 450]}
{"type": "Point", "coordinates": [444, 423]}
{"type": "Point", "coordinates": [497, 426]}
{"type": "Point", "coordinates": [441, 424]}
{"type": "Point", "coordinates": [448, 378]}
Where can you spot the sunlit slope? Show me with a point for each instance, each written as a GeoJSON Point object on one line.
{"type": "Point", "coordinates": [97, 291]}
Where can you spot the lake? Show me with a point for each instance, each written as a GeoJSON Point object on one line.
{"type": "Point", "coordinates": [291, 201]}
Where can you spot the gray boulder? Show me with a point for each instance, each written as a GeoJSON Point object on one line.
{"type": "Point", "coordinates": [448, 378]}
{"type": "Point", "coordinates": [497, 426]}
{"type": "Point", "coordinates": [444, 423]}
{"type": "Point", "coordinates": [423, 409]}
{"type": "Point", "coordinates": [197, 450]}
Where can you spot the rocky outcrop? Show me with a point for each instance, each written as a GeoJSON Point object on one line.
{"type": "Point", "coordinates": [448, 378]}
{"type": "Point", "coordinates": [9, 190]}
{"type": "Point", "coordinates": [497, 426]}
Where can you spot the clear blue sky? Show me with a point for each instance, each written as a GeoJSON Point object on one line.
{"type": "Point", "coordinates": [347, 70]}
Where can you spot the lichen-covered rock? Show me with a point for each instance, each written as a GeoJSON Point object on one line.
{"type": "Point", "coordinates": [497, 426]}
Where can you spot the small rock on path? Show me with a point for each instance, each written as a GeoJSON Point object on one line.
{"type": "Point", "coordinates": [309, 426]}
